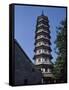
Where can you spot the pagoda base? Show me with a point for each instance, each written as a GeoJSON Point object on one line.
{"type": "Point", "coordinates": [47, 78]}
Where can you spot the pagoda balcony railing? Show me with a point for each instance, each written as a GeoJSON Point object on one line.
{"type": "Point", "coordinates": [42, 44]}
{"type": "Point", "coordinates": [43, 62]}
{"type": "Point", "coordinates": [42, 25]}
{"type": "Point", "coordinates": [41, 30]}
{"type": "Point", "coordinates": [38, 53]}
{"type": "Point", "coordinates": [38, 37]}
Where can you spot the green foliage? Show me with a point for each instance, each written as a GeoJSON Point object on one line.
{"type": "Point", "coordinates": [60, 66]}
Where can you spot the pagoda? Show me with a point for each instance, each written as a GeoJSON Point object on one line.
{"type": "Point", "coordinates": [42, 50]}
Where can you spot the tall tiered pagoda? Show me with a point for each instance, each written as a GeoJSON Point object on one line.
{"type": "Point", "coordinates": [42, 49]}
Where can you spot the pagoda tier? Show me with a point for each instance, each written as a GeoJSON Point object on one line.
{"type": "Point", "coordinates": [42, 18]}
{"type": "Point", "coordinates": [44, 66]}
{"type": "Point", "coordinates": [42, 40]}
{"type": "Point", "coordinates": [43, 22]}
{"type": "Point", "coordinates": [42, 55]}
{"type": "Point", "coordinates": [42, 47]}
{"type": "Point", "coordinates": [42, 30]}
{"type": "Point", "coordinates": [44, 33]}
{"type": "Point", "coordinates": [42, 27]}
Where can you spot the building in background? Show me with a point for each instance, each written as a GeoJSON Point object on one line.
{"type": "Point", "coordinates": [25, 71]}
{"type": "Point", "coordinates": [42, 49]}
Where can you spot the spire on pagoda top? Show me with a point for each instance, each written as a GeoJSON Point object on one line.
{"type": "Point", "coordinates": [42, 13]}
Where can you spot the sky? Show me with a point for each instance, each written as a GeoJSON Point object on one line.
{"type": "Point", "coordinates": [25, 26]}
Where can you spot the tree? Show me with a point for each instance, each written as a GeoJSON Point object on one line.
{"type": "Point", "coordinates": [60, 66]}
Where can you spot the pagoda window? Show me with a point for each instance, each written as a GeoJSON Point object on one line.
{"type": "Point", "coordinates": [41, 36]}
{"type": "Point", "coordinates": [43, 69]}
{"type": "Point", "coordinates": [45, 50]}
{"type": "Point", "coordinates": [43, 60]}
{"type": "Point", "coordinates": [42, 50]}
{"type": "Point", "coordinates": [39, 43]}
{"type": "Point", "coordinates": [39, 51]}
{"type": "Point", "coordinates": [47, 61]}
{"type": "Point", "coordinates": [45, 42]}
{"type": "Point", "coordinates": [39, 60]}
{"type": "Point", "coordinates": [48, 70]}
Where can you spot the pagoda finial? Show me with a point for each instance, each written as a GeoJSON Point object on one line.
{"type": "Point", "coordinates": [42, 13]}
